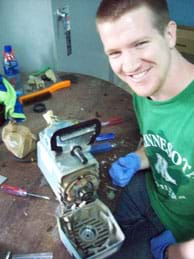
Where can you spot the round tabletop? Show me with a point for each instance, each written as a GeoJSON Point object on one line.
{"type": "Point", "coordinates": [28, 225]}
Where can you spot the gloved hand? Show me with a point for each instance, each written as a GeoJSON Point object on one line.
{"type": "Point", "coordinates": [160, 243]}
{"type": "Point", "coordinates": [124, 168]}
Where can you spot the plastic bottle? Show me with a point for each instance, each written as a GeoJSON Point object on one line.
{"type": "Point", "coordinates": [11, 68]}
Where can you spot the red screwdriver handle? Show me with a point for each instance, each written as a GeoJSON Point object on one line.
{"type": "Point", "coordinates": [112, 121]}
{"type": "Point", "coordinates": [13, 190]}
{"type": "Point", "coordinates": [115, 120]}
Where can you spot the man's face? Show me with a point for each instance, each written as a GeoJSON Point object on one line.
{"type": "Point", "coordinates": [138, 53]}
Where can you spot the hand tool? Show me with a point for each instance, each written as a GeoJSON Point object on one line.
{"type": "Point", "coordinates": [2, 179]}
{"type": "Point", "coordinates": [34, 256]}
{"type": "Point", "coordinates": [112, 121]}
{"type": "Point", "coordinates": [8, 255]}
{"type": "Point", "coordinates": [102, 147]}
{"type": "Point", "coordinates": [44, 93]}
{"type": "Point", "coordinates": [13, 190]}
{"type": "Point", "coordinates": [105, 136]}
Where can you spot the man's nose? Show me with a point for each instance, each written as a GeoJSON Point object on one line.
{"type": "Point", "coordinates": [131, 62]}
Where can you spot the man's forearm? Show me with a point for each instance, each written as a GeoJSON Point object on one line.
{"type": "Point", "coordinates": [143, 156]}
{"type": "Point", "coordinates": [183, 250]}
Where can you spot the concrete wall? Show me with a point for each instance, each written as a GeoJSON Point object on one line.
{"type": "Point", "coordinates": [30, 27]}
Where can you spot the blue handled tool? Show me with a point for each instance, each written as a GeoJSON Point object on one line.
{"type": "Point", "coordinates": [102, 147]}
{"type": "Point", "coordinates": [105, 136]}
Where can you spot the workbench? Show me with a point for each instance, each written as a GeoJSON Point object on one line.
{"type": "Point", "coordinates": [28, 225]}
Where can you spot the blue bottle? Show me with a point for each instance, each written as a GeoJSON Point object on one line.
{"type": "Point", "coordinates": [11, 68]}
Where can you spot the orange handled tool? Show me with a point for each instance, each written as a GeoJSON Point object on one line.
{"type": "Point", "coordinates": [60, 85]}
{"type": "Point", "coordinates": [44, 93]}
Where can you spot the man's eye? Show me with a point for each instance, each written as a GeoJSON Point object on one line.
{"type": "Point", "coordinates": [113, 54]}
{"type": "Point", "coordinates": [141, 44]}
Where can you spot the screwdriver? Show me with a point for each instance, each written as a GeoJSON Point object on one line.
{"type": "Point", "coordinates": [105, 136]}
{"type": "Point", "coordinates": [102, 147]}
{"type": "Point", "coordinates": [112, 121]}
{"type": "Point", "coordinates": [13, 190]}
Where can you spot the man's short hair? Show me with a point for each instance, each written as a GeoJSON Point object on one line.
{"type": "Point", "coordinates": [113, 9]}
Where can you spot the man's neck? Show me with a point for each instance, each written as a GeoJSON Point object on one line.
{"type": "Point", "coordinates": [181, 73]}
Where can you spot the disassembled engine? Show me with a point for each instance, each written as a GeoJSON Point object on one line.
{"type": "Point", "coordinates": [86, 225]}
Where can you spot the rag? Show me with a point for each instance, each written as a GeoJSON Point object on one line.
{"type": "Point", "coordinates": [8, 97]}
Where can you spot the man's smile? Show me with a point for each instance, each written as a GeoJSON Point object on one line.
{"type": "Point", "coordinates": [137, 77]}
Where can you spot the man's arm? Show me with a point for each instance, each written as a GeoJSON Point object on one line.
{"type": "Point", "coordinates": [143, 157]}
{"type": "Point", "coordinates": [164, 246]}
{"type": "Point", "coordinates": [183, 250]}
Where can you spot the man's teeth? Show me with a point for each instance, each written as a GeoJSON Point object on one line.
{"type": "Point", "coordinates": [139, 75]}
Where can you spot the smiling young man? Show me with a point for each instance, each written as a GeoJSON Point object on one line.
{"type": "Point", "coordinates": [139, 40]}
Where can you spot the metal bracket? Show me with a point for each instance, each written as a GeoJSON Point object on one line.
{"type": "Point", "coordinates": [63, 15]}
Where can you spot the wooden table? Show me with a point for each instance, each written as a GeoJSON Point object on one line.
{"type": "Point", "coordinates": [28, 225]}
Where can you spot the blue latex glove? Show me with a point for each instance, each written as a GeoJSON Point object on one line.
{"type": "Point", "coordinates": [160, 243]}
{"type": "Point", "coordinates": [124, 168]}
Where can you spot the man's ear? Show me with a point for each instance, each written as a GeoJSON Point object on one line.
{"type": "Point", "coordinates": [170, 34]}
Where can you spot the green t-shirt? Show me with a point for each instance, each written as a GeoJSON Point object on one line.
{"type": "Point", "coordinates": [167, 128]}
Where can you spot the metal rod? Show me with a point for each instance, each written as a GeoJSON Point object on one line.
{"type": "Point", "coordinates": [39, 196]}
